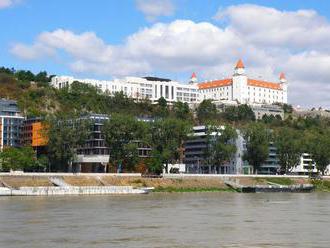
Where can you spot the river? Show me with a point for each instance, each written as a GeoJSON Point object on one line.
{"type": "Point", "coordinates": [167, 220]}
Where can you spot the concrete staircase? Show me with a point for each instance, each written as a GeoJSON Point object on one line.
{"type": "Point", "coordinates": [58, 181]}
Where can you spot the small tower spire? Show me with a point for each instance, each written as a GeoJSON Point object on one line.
{"type": "Point", "coordinates": [283, 82]}
{"type": "Point", "coordinates": [193, 78]}
{"type": "Point", "coordinates": [240, 64]}
{"type": "Point", "coordinates": [239, 68]}
{"type": "Point", "coordinates": [282, 78]}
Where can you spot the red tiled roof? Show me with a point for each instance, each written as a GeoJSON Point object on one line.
{"type": "Point", "coordinates": [215, 83]}
{"type": "Point", "coordinates": [264, 84]}
{"type": "Point", "coordinates": [229, 81]}
{"type": "Point", "coordinates": [239, 64]}
{"type": "Point", "coordinates": [282, 75]}
{"type": "Point", "coordinates": [193, 75]}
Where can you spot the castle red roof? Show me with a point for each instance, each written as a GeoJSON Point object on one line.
{"type": "Point", "coordinates": [215, 83]}
{"type": "Point", "coordinates": [264, 84]}
{"type": "Point", "coordinates": [240, 64]}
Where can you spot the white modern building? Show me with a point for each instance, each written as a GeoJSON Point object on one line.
{"type": "Point", "coordinates": [306, 165]}
{"type": "Point", "coordinates": [244, 90]}
{"type": "Point", "coordinates": [151, 88]}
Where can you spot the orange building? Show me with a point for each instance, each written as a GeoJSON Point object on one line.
{"type": "Point", "coordinates": [34, 133]}
{"type": "Point", "coordinates": [39, 134]}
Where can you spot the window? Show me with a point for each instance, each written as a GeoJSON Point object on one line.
{"type": "Point", "coordinates": [161, 90]}
{"type": "Point", "coordinates": [155, 91]}
{"type": "Point", "coordinates": [166, 91]}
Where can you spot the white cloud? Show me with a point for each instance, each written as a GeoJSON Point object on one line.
{"type": "Point", "coordinates": [271, 27]}
{"type": "Point", "coordinates": [7, 3]}
{"type": "Point", "coordinates": [155, 8]}
{"type": "Point", "coordinates": [268, 40]}
{"type": "Point", "coordinates": [86, 53]}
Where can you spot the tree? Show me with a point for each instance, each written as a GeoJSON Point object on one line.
{"type": "Point", "coordinates": [287, 108]}
{"type": "Point", "coordinates": [7, 70]}
{"type": "Point", "coordinates": [222, 144]}
{"type": "Point", "coordinates": [25, 76]}
{"type": "Point", "coordinates": [206, 110]}
{"type": "Point", "coordinates": [122, 134]}
{"type": "Point", "coordinates": [181, 111]}
{"type": "Point", "coordinates": [42, 77]}
{"type": "Point", "coordinates": [65, 135]}
{"type": "Point", "coordinates": [318, 144]}
{"type": "Point", "coordinates": [162, 108]}
{"type": "Point", "coordinates": [239, 113]}
{"type": "Point", "coordinates": [289, 147]}
{"type": "Point", "coordinates": [12, 158]}
{"type": "Point", "coordinates": [257, 145]}
{"type": "Point", "coordinates": [166, 138]}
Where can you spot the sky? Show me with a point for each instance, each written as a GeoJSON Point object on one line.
{"type": "Point", "coordinates": [107, 39]}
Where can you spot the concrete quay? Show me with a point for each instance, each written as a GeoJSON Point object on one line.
{"type": "Point", "coordinates": [74, 190]}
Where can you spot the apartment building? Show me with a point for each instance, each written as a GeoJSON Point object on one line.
{"type": "Point", "coordinates": [94, 155]}
{"type": "Point", "coordinates": [195, 153]}
{"type": "Point", "coordinates": [10, 122]}
{"type": "Point", "coordinates": [305, 166]}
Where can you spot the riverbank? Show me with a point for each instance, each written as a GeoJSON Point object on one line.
{"type": "Point", "coordinates": [170, 183]}
{"type": "Point", "coordinates": [135, 181]}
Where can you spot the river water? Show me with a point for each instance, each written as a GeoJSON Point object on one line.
{"type": "Point", "coordinates": [167, 220]}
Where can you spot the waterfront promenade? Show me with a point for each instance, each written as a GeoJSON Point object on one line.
{"type": "Point", "coordinates": [167, 183]}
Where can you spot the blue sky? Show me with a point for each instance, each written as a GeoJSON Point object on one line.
{"type": "Point", "coordinates": [141, 37]}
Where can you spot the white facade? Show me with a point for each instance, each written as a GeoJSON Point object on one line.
{"type": "Point", "coordinates": [244, 90]}
{"type": "Point", "coordinates": [239, 88]}
{"type": "Point", "coordinates": [139, 88]}
{"type": "Point", "coordinates": [306, 165]}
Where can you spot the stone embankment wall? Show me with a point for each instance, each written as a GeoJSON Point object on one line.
{"type": "Point", "coordinates": [180, 182]}
{"type": "Point", "coordinates": [85, 190]}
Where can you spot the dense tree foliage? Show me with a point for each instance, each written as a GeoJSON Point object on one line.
{"type": "Point", "coordinates": [12, 158]}
{"type": "Point", "coordinates": [65, 135]}
{"type": "Point", "coordinates": [318, 144]}
{"type": "Point", "coordinates": [221, 146]}
{"type": "Point", "coordinates": [166, 138]}
{"type": "Point", "coordinates": [122, 135]}
{"type": "Point", "coordinates": [257, 144]}
{"type": "Point", "coordinates": [289, 147]}
{"type": "Point", "coordinates": [182, 111]}
{"type": "Point", "coordinates": [239, 113]}
{"type": "Point", "coordinates": [206, 111]}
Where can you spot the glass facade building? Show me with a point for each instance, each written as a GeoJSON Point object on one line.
{"type": "Point", "coordinates": [10, 122]}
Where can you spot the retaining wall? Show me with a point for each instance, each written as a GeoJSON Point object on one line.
{"type": "Point", "coordinates": [85, 190]}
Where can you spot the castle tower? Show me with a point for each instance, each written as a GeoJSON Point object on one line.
{"type": "Point", "coordinates": [239, 86]}
{"type": "Point", "coordinates": [239, 68]}
{"type": "Point", "coordinates": [284, 85]}
{"type": "Point", "coordinates": [283, 78]}
{"type": "Point", "coordinates": [193, 78]}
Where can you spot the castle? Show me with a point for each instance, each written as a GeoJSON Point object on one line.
{"type": "Point", "coordinates": [244, 90]}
